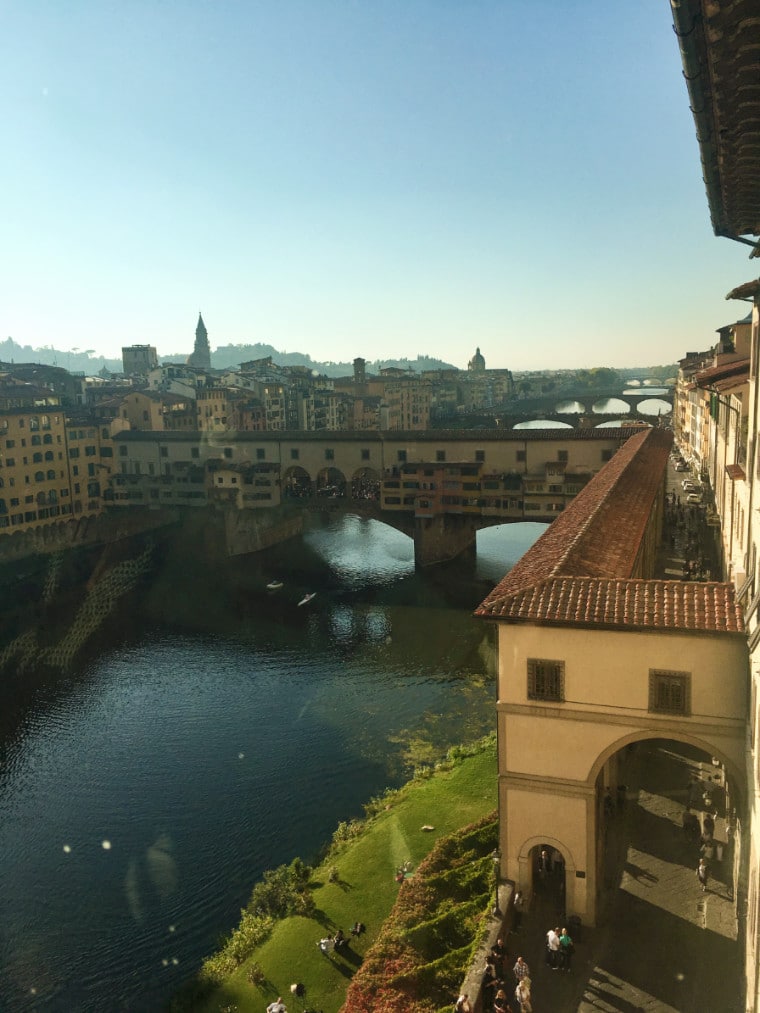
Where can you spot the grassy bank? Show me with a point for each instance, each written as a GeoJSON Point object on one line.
{"type": "Point", "coordinates": [355, 882]}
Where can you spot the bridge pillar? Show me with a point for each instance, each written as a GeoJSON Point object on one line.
{"type": "Point", "coordinates": [252, 530]}
{"type": "Point", "coordinates": [442, 538]}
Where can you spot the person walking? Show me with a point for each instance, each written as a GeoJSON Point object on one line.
{"type": "Point", "coordinates": [702, 874]}
{"type": "Point", "coordinates": [518, 906]}
{"type": "Point", "coordinates": [552, 948]}
{"type": "Point", "coordinates": [520, 970]}
{"type": "Point", "coordinates": [522, 994]}
{"type": "Point", "coordinates": [566, 950]}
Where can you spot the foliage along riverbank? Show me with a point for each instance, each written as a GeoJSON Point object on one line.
{"type": "Point", "coordinates": [275, 943]}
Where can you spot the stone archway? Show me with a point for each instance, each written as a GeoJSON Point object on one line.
{"type": "Point", "coordinates": [331, 482]}
{"type": "Point", "coordinates": [296, 483]}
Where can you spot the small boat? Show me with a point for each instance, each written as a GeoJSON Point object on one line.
{"type": "Point", "coordinates": [274, 585]}
{"type": "Point", "coordinates": [307, 598]}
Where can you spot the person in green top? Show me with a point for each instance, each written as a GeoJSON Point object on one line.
{"type": "Point", "coordinates": [566, 950]}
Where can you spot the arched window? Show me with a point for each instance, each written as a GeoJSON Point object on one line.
{"type": "Point", "coordinates": [37, 458]}
{"type": "Point", "coordinates": [41, 499]}
{"type": "Point", "coordinates": [3, 507]}
{"type": "Point", "coordinates": [39, 476]}
{"type": "Point", "coordinates": [36, 440]}
{"type": "Point", "coordinates": [51, 475]}
{"type": "Point", "coordinates": [47, 438]}
{"type": "Point", "coordinates": [2, 483]}
{"type": "Point", "coordinates": [34, 423]}
{"type": "Point", "coordinates": [49, 456]}
{"type": "Point", "coordinates": [52, 496]}
{"type": "Point", "coordinates": [45, 422]}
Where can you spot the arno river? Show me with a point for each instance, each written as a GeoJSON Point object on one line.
{"type": "Point", "coordinates": [143, 794]}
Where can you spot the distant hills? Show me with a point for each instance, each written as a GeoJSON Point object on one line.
{"type": "Point", "coordinates": [78, 360]}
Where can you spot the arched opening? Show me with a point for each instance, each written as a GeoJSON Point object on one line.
{"type": "Point", "coordinates": [331, 483]}
{"type": "Point", "coordinates": [660, 806]}
{"type": "Point", "coordinates": [365, 484]}
{"type": "Point", "coordinates": [296, 483]}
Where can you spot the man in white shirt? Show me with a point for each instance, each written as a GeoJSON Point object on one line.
{"type": "Point", "coordinates": [277, 1007]}
{"type": "Point", "coordinates": [552, 948]}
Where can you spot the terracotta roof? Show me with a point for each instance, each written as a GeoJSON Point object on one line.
{"type": "Point", "coordinates": [719, 44]}
{"type": "Point", "coordinates": [641, 604]}
{"type": "Point", "coordinates": [580, 570]}
{"type": "Point", "coordinates": [738, 369]}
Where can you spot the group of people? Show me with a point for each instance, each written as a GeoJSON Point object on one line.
{"type": "Point", "coordinates": [339, 941]}
{"type": "Point", "coordinates": [559, 949]}
{"type": "Point", "coordinates": [495, 980]}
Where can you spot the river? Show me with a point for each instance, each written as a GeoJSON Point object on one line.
{"type": "Point", "coordinates": [228, 731]}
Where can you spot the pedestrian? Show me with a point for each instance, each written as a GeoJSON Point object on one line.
{"type": "Point", "coordinates": [463, 1004]}
{"type": "Point", "coordinates": [566, 950]}
{"type": "Point", "coordinates": [521, 969]}
{"type": "Point", "coordinates": [277, 1007]}
{"type": "Point", "coordinates": [552, 948]}
{"type": "Point", "coordinates": [518, 905]}
{"type": "Point", "coordinates": [498, 955]}
{"type": "Point", "coordinates": [522, 994]}
{"type": "Point", "coordinates": [702, 874]}
{"type": "Point", "coordinates": [500, 1004]}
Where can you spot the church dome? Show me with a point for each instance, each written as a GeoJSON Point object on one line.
{"type": "Point", "coordinates": [477, 363]}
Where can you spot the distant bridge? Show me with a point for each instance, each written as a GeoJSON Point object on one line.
{"type": "Point", "coordinates": [439, 487]}
{"type": "Point", "coordinates": [548, 403]}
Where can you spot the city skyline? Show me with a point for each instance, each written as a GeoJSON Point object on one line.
{"type": "Point", "coordinates": [341, 179]}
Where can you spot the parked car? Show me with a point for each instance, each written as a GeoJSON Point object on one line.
{"type": "Point", "coordinates": [682, 466]}
{"type": "Point", "coordinates": [694, 497]}
{"type": "Point", "coordinates": [690, 485]}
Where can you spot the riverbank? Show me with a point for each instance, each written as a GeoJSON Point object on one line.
{"type": "Point", "coordinates": [355, 882]}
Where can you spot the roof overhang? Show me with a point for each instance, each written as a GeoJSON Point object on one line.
{"type": "Point", "coordinates": [719, 45]}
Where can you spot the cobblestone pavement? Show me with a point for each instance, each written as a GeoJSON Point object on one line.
{"type": "Point", "coordinates": [661, 944]}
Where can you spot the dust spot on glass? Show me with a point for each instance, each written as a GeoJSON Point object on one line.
{"type": "Point", "coordinates": [105, 845]}
{"type": "Point", "coordinates": [240, 756]}
{"type": "Point", "coordinates": [67, 849]}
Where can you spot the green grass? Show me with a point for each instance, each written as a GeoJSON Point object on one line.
{"type": "Point", "coordinates": [365, 890]}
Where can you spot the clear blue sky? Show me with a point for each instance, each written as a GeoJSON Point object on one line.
{"type": "Point", "coordinates": [366, 177]}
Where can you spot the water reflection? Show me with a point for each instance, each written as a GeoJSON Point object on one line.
{"type": "Point", "coordinates": [543, 424]}
{"type": "Point", "coordinates": [655, 406]}
{"type": "Point", "coordinates": [140, 799]}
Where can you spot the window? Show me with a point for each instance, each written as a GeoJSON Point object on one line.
{"type": "Point", "coordinates": [49, 456]}
{"type": "Point", "coordinates": [10, 462]}
{"type": "Point", "coordinates": [36, 458]}
{"type": "Point", "coordinates": [228, 452]}
{"type": "Point", "coordinates": [164, 451]}
{"type": "Point", "coordinates": [260, 453]}
{"type": "Point", "coordinates": [562, 456]}
{"type": "Point", "coordinates": [74, 452]}
{"type": "Point", "coordinates": [10, 444]}
{"type": "Point", "coordinates": [440, 455]}
{"type": "Point", "coordinates": [195, 452]}
{"type": "Point", "coordinates": [480, 455]}
{"type": "Point", "coordinates": [90, 451]}
{"type": "Point", "coordinates": [36, 441]}
{"type": "Point", "coordinates": [39, 476]}
{"type": "Point", "coordinates": [669, 692]}
{"type": "Point", "coordinates": [47, 438]}
{"type": "Point", "coordinates": [606, 455]}
{"type": "Point", "coordinates": [329, 454]}
{"type": "Point", "coordinates": [294, 453]}
{"type": "Point", "coordinates": [401, 456]}
{"type": "Point", "coordinates": [546, 679]}
{"type": "Point", "coordinates": [123, 450]}
{"type": "Point", "coordinates": [521, 455]}
{"type": "Point", "coordinates": [50, 475]}
{"type": "Point", "coordinates": [365, 455]}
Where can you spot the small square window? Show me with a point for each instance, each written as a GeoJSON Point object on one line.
{"type": "Point", "coordinates": [440, 455]}
{"type": "Point", "coordinates": [401, 456]}
{"type": "Point", "coordinates": [669, 692]}
{"type": "Point", "coordinates": [260, 453]}
{"type": "Point", "coordinates": [164, 451]}
{"type": "Point", "coordinates": [562, 456]}
{"type": "Point", "coordinates": [329, 454]}
{"type": "Point", "coordinates": [546, 679]}
{"type": "Point", "coordinates": [480, 455]}
{"type": "Point", "coordinates": [365, 455]}
{"type": "Point", "coordinates": [195, 452]}
{"type": "Point", "coordinates": [294, 453]}
{"type": "Point", "coordinates": [228, 452]}
{"type": "Point", "coordinates": [606, 455]}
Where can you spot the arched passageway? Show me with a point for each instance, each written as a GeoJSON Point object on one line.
{"type": "Point", "coordinates": [365, 484]}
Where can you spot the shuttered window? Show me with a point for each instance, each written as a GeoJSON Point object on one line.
{"type": "Point", "coordinates": [669, 692]}
{"type": "Point", "coordinates": [546, 679]}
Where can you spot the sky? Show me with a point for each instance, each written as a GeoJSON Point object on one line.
{"type": "Point", "coordinates": [375, 178]}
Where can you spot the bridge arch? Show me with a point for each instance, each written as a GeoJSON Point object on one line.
{"type": "Point", "coordinates": [330, 482]}
{"type": "Point", "coordinates": [365, 484]}
{"type": "Point", "coordinates": [296, 482]}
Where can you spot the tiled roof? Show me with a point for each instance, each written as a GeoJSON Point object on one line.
{"type": "Point", "coordinates": [580, 570]}
{"type": "Point", "coordinates": [641, 604]}
{"type": "Point", "coordinates": [738, 368]}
